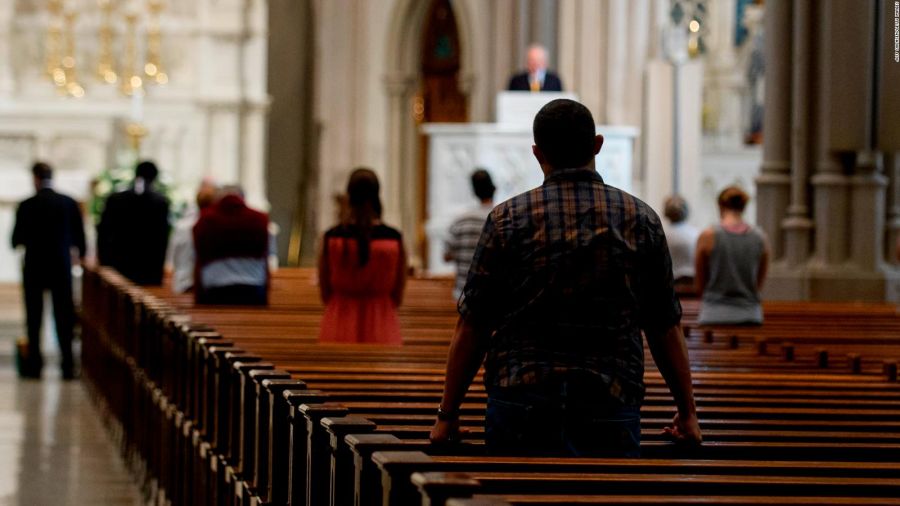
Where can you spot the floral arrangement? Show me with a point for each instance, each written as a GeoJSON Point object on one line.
{"type": "Point", "coordinates": [120, 178]}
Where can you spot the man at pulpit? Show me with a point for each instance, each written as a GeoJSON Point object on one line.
{"type": "Point", "coordinates": [537, 77]}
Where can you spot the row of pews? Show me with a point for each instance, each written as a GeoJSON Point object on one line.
{"type": "Point", "coordinates": [241, 406]}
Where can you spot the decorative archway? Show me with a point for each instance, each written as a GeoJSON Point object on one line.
{"type": "Point", "coordinates": [403, 67]}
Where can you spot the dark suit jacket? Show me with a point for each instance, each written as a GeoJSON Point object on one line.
{"type": "Point", "coordinates": [133, 234]}
{"type": "Point", "coordinates": [49, 225]}
{"type": "Point", "coordinates": [519, 82]}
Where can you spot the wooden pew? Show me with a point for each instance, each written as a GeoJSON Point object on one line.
{"type": "Point", "coordinates": [215, 403]}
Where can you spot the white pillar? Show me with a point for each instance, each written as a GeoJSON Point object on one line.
{"type": "Point", "coordinates": [7, 84]}
{"type": "Point", "coordinates": [583, 52]}
{"type": "Point", "coordinates": [253, 173]}
{"type": "Point", "coordinates": [398, 90]}
{"type": "Point", "coordinates": [253, 99]}
{"type": "Point", "coordinates": [724, 83]}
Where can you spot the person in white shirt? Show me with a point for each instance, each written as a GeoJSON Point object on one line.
{"type": "Point", "coordinates": [682, 238]}
{"type": "Point", "coordinates": [181, 245]}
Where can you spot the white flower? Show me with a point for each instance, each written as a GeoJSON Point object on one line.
{"type": "Point", "coordinates": [103, 187]}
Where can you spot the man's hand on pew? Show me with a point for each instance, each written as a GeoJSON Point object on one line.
{"type": "Point", "coordinates": [685, 431]}
{"type": "Point", "coordinates": [445, 432]}
{"type": "Point", "coordinates": [466, 353]}
{"type": "Point", "coordinates": [671, 357]}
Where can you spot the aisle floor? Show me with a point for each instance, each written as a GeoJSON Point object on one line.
{"type": "Point", "coordinates": [54, 449]}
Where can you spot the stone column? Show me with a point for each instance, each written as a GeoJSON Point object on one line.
{"type": "Point", "coordinates": [797, 225]}
{"type": "Point", "coordinates": [503, 50]}
{"type": "Point", "coordinates": [724, 84]}
{"type": "Point", "coordinates": [397, 210]}
{"type": "Point", "coordinates": [888, 118]}
{"type": "Point", "coordinates": [584, 50]}
{"type": "Point", "coordinates": [604, 64]}
{"type": "Point", "coordinates": [867, 212]}
{"type": "Point", "coordinates": [892, 169]}
{"type": "Point", "coordinates": [538, 23]}
{"type": "Point", "coordinates": [856, 110]}
{"type": "Point", "coordinates": [772, 186]}
{"type": "Point", "coordinates": [291, 134]}
{"type": "Point", "coordinates": [7, 84]}
{"type": "Point", "coordinates": [618, 58]}
{"type": "Point", "coordinates": [829, 183]}
{"type": "Point", "coordinates": [254, 102]}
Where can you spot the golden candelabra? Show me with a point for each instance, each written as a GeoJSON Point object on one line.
{"type": "Point", "coordinates": [53, 51]}
{"type": "Point", "coordinates": [106, 66]}
{"type": "Point", "coordinates": [153, 69]}
{"type": "Point", "coordinates": [136, 133]}
{"type": "Point", "coordinates": [131, 80]}
{"type": "Point", "coordinates": [60, 52]}
{"type": "Point", "coordinates": [72, 87]}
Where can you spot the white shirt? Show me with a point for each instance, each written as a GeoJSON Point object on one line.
{"type": "Point", "coordinates": [682, 238]}
{"type": "Point", "coordinates": [181, 248]}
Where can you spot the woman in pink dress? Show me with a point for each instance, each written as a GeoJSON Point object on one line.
{"type": "Point", "coordinates": [362, 271]}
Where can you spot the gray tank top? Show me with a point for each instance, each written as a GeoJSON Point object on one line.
{"type": "Point", "coordinates": [730, 295]}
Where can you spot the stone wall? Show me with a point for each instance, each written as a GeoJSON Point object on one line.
{"type": "Point", "coordinates": [208, 121]}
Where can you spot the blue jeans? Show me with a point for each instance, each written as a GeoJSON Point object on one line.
{"type": "Point", "coordinates": [561, 420]}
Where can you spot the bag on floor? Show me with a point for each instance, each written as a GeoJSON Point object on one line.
{"type": "Point", "coordinates": [22, 363]}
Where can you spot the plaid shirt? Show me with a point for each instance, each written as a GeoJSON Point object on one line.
{"type": "Point", "coordinates": [566, 276]}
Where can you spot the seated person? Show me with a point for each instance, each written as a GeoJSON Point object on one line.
{"type": "Point", "coordinates": [466, 229]}
{"type": "Point", "coordinates": [537, 77]}
{"type": "Point", "coordinates": [732, 259]}
{"type": "Point", "coordinates": [181, 246]}
{"type": "Point", "coordinates": [682, 238]}
{"type": "Point", "coordinates": [231, 244]}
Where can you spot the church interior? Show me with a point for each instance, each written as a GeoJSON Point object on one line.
{"type": "Point", "coordinates": [278, 105]}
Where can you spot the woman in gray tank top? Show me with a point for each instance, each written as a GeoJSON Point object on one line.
{"type": "Point", "coordinates": [731, 264]}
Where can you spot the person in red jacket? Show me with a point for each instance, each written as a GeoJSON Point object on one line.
{"type": "Point", "coordinates": [232, 244]}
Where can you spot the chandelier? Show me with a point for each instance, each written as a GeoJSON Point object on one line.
{"type": "Point", "coordinates": [130, 71]}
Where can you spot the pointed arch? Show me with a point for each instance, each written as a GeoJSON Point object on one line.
{"type": "Point", "coordinates": [402, 71]}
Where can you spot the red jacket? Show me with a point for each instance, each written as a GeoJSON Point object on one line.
{"type": "Point", "coordinates": [229, 229]}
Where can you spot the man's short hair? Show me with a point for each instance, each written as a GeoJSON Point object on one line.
{"type": "Point", "coordinates": [564, 132]}
{"type": "Point", "coordinates": [483, 185]}
{"type": "Point", "coordinates": [147, 171]}
{"type": "Point", "coordinates": [733, 198]}
{"type": "Point", "coordinates": [207, 194]}
{"type": "Point", "coordinates": [676, 209]}
{"type": "Point", "coordinates": [42, 171]}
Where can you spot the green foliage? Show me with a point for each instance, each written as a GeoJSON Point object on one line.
{"type": "Point", "coordinates": [121, 178]}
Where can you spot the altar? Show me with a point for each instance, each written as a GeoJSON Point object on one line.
{"type": "Point", "coordinates": [455, 150]}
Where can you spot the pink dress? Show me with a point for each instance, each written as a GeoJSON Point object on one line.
{"type": "Point", "coordinates": [360, 308]}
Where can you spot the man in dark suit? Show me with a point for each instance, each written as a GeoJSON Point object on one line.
{"type": "Point", "coordinates": [134, 229]}
{"type": "Point", "coordinates": [537, 77]}
{"type": "Point", "coordinates": [49, 226]}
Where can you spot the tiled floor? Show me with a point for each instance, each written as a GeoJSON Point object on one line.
{"type": "Point", "coordinates": [54, 449]}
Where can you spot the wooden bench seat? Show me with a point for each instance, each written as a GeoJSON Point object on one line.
{"type": "Point", "coordinates": [656, 500]}
{"type": "Point", "coordinates": [218, 405]}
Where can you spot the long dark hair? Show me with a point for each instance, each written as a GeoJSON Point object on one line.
{"type": "Point", "coordinates": [365, 208]}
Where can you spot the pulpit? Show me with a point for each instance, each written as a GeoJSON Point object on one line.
{"type": "Point", "coordinates": [504, 150]}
